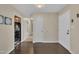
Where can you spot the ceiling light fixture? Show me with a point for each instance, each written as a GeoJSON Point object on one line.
{"type": "Point", "coordinates": [39, 5]}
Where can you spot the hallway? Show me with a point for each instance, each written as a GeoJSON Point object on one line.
{"type": "Point", "coordinates": [54, 28]}
{"type": "Point", "coordinates": [28, 47]}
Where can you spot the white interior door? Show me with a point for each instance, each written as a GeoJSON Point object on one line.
{"type": "Point", "coordinates": [64, 29]}
{"type": "Point", "coordinates": [38, 34]}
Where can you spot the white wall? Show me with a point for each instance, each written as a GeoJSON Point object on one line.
{"type": "Point", "coordinates": [7, 31]}
{"type": "Point", "coordinates": [50, 26]}
{"type": "Point", "coordinates": [74, 27]}
{"type": "Point", "coordinates": [64, 28]}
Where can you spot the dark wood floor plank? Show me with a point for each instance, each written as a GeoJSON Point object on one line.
{"type": "Point", "coordinates": [49, 48]}
{"type": "Point", "coordinates": [39, 48]}
{"type": "Point", "coordinates": [23, 48]}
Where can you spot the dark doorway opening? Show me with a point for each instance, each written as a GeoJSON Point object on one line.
{"type": "Point", "coordinates": [17, 30]}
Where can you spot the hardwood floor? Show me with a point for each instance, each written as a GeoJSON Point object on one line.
{"type": "Point", "coordinates": [49, 48]}
{"type": "Point", "coordinates": [25, 47]}
{"type": "Point", "coordinates": [39, 48]}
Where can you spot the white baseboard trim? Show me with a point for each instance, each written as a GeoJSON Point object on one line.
{"type": "Point", "coordinates": [24, 38]}
{"type": "Point", "coordinates": [66, 48]}
{"type": "Point", "coordinates": [45, 41]}
{"type": "Point", "coordinates": [10, 51]}
{"type": "Point", "coordinates": [70, 51]}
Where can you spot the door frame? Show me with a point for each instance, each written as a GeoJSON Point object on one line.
{"type": "Point", "coordinates": [18, 20]}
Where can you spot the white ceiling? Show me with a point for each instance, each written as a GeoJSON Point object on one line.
{"type": "Point", "coordinates": [28, 9]}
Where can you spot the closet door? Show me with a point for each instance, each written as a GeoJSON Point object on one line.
{"type": "Point", "coordinates": [64, 29]}
{"type": "Point", "coordinates": [38, 30]}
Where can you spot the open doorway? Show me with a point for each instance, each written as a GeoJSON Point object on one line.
{"type": "Point", "coordinates": [27, 29]}
{"type": "Point", "coordinates": [17, 29]}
